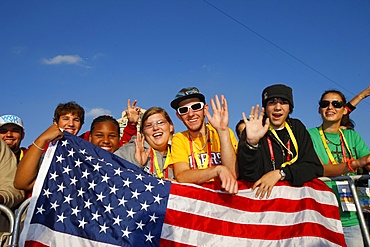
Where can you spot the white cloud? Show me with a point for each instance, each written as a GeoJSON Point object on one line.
{"type": "Point", "coordinates": [98, 112]}
{"type": "Point", "coordinates": [66, 59]}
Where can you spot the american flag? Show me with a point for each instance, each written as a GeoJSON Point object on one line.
{"type": "Point", "coordinates": [85, 196]}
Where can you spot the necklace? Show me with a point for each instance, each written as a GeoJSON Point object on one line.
{"type": "Point", "coordinates": [205, 143]}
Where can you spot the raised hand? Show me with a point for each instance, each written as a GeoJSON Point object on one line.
{"type": "Point", "coordinates": [220, 118]}
{"type": "Point", "coordinates": [140, 154]}
{"type": "Point", "coordinates": [254, 127]}
{"type": "Point", "coordinates": [132, 112]}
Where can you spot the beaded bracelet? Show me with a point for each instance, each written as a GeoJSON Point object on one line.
{"type": "Point", "coordinates": [41, 149]}
{"type": "Point", "coordinates": [349, 162]}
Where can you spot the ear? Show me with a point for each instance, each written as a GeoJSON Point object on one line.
{"type": "Point", "coordinates": [172, 129]}
{"type": "Point", "coordinates": [178, 116]}
{"type": "Point", "coordinates": [319, 110]}
{"type": "Point", "coordinates": [22, 135]}
{"type": "Point", "coordinates": [90, 137]}
{"type": "Point", "coordinates": [345, 110]}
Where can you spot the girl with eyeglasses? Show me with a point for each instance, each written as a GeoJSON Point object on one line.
{"type": "Point", "coordinates": [151, 149]}
{"type": "Point", "coordinates": [342, 152]}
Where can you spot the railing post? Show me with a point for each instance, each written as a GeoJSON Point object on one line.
{"type": "Point", "coordinates": [9, 213]}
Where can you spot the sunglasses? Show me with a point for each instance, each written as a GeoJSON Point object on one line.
{"type": "Point", "coordinates": [195, 107]}
{"type": "Point", "coordinates": [334, 103]}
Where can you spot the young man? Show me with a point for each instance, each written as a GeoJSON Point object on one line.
{"type": "Point", "coordinates": [204, 151]}
{"type": "Point", "coordinates": [274, 146]}
{"type": "Point", "coordinates": [68, 117]}
{"type": "Point", "coordinates": [12, 132]}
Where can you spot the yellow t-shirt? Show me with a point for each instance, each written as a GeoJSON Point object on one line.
{"type": "Point", "coordinates": [181, 150]}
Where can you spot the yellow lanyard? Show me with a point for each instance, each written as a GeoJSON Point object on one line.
{"type": "Point", "coordinates": [327, 150]}
{"type": "Point", "coordinates": [294, 141]}
{"type": "Point", "coordinates": [166, 163]}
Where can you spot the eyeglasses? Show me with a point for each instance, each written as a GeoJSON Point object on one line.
{"type": "Point", "coordinates": [274, 101]}
{"type": "Point", "coordinates": [159, 123]}
{"type": "Point", "coordinates": [334, 103]}
{"type": "Point", "coordinates": [195, 107]}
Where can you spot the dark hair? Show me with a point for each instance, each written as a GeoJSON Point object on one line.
{"type": "Point", "coordinates": [104, 118]}
{"type": "Point", "coordinates": [241, 121]}
{"type": "Point", "coordinates": [69, 107]}
{"type": "Point", "coordinates": [151, 111]}
{"type": "Point", "coordinates": [336, 92]}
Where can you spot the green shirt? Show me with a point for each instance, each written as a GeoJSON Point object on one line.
{"type": "Point", "coordinates": [358, 149]}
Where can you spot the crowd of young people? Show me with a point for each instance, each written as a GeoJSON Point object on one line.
{"type": "Point", "coordinates": [272, 145]}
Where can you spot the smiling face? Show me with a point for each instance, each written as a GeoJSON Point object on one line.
{"type": "Point", "coordinates": [157, 131]}
{"type": "Point", "coordinates": [105, 135]}
{"type": "Point", "coordinates": [193, 120]}
{"type": "Point", "coordinates": [70, 123]}
{"type": "Point", "coordinates": [277, 110]}
{"type": "Point", "coordinates": [12, 135]}
{"type": "Point", "coordinates": [332, 112]}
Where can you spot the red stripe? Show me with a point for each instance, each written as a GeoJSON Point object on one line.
{"type": "Point", "coordinates": [249, 231]}
{"type": "Point", "coordinates": [169, 243]}
{"type": "Point", "coordinates": [31, 243]}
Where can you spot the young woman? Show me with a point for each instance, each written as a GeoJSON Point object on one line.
{"type": "Point", "coordinates": [104, 132]}
{"type": "Point", "coordinates": [341, 151]}
{"type": "Point", "coordinates": [151, 148]}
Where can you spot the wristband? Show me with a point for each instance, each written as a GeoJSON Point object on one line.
{"type": "Point", "coordinates": [251, 147]}
{"type": "Point", "coordinates": [41, 149]}
{"type": "Point", "coordinates": [349, 162]}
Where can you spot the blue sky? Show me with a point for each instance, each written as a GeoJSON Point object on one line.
{"type": "Point", "coordinates": [100, 53]}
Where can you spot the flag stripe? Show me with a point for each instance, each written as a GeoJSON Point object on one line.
{"type": "Point", "coordinates": [176, 236]}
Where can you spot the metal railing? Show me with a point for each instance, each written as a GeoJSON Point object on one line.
{"type": "Point", "coordinates": [351, 182]}
{"type": "Point", "coordinates": [17, 222]}
{"type": "Point", "coordinates": [10, 215]}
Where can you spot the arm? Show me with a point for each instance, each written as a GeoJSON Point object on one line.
{"type": "Point", "coordinates": [130, 130]}
{"type": "Point", "coordinates": [220, 121]}
{"type": "Point", "coordinates": [9, 196]}
{"type": "Point", "coordinates": [357, 99]}
{"type": "Point", "coordinates": [331, 170]}
{"type": "Point", "coordinates": [28, 167]}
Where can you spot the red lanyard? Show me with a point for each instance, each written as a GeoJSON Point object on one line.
{"type": "Point", "coordinates": [195, 164]}
{"type": "Point", "coordinates": [343, 147]}
{"type": "Point", "coordinates": [269, 142]}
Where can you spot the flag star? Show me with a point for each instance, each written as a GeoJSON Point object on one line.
{"type": "Point", "coordinates": [144, 206]}
{"type": "Point", "coordinates": [92, 185]}
{"type": "Point", "coordinates": [161, 181]}
{"type": "Point", "coordinates": [108, 208]}
{"type": "Point", "coordinates": [148, 237]}
{"type": "Point", "coordinates": [113, 189]}
{"type": "Point", "coordinates": [82, 151]}
{"type": "Point", "coordinates": [75, 211]}
{"type": "Point", "coordinates": [100, 197]}
{"type": "Point", "coordinates": [78, 162]}
{"type": "Point", "coordinates": [89, 158]}
{"type": "Point", "coordinates": [47, 192]}
{"type": "Point", "coordinates": [66, 169]}
{"type": "Point", "coordinates": [68, 199]}
{"type": "Point", "coordinates": [130, 213]}
{"type": "Point", "coordinates": [153, 217]}
{"type": "Point", "coordinates": [53, 176]}
{"type": "Point", "coordinates": [87, 204]}
{"type": "Point", "coordinates": [40, 210]}
{"type": "Point", "coordinates": [105, 178]}
{"type": "Point", "coordinates": [157, 199]}
{"type": "Point", "coordinates": [118, 171]}
{"type": "Point", "coordinates": [61, 217]}
{"type": "Point", "coordinates": [139, 176]}
{"type": "Point", "coordinates": [71, 152]}
{"type": "Point", "coordinates": [140, 225]}
{"type": "Point", "coordinates": [54, 205]}
{"type": "Point", "coordinates": [60, 158]}
{"type": "Point", "coordinates": [81, 192]}
{"type": "Point", "coordinates": [65, 143]}
{"type": "Point", "coordinates": [97, 167]}
{"type": "Point", "coordinates": [148, 187]}
{"type": "Point", "coordinates": [122, 201]}
{"type": "Point", "coordinates": [125, 232]}
{"type": "Point", "coordinates": [95, 216]}
{"type": "Point", "coordinates": [82, 223]}
{"type": "Point", "coordinates": [85, 174]}
{"type": "Point", "coordinates": [73, 181]}
{"type": "Point", "coordinates": [135, 194]}
{"type": "Point", "coordinates": [117, 220]}
{"type": "Point", "coordinates": [126, 182]}
{"type": "Point", "coordinates": [103, 228]}
{"type": "Point", "coordinates": [61, 187]}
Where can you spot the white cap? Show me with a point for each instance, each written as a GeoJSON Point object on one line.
{"type": "Point", "coordinates": [11, 119]}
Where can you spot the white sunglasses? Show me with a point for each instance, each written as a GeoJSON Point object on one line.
{"type": "Point", "coordinates": [195, 107]}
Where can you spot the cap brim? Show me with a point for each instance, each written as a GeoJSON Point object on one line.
{"type": "Point", "coordinates": [176, 102]}
{"type": "Point", "coordinates": [1, 124]}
